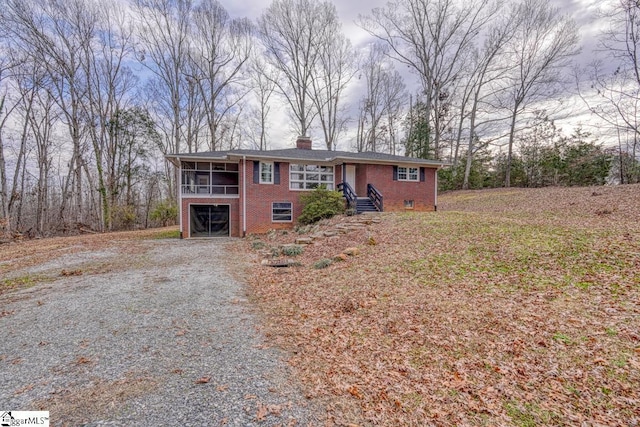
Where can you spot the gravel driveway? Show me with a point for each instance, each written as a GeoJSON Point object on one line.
{"type": "Point", "coordinates": [161, 337]}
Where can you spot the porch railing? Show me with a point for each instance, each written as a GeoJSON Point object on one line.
{"type": "Point", "coordinates": [375, 196]}
{"type": "Point", "coordinates": [220, 190]}
{"type": "Point", "coordinates": [349, 194]}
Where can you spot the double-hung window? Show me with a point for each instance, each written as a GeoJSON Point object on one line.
{"type": "Point", "coordinates": [282, 212]}
{"type": "Point", "coordinates": [266, 173]}
{"type": "Point", "coordinates": [408, 174]}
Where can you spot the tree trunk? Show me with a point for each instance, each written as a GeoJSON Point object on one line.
{"type": "Point", "coordinates": [512, 131]}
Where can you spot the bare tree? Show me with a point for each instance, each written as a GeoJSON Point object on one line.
{"type": "Point", "coordinates": [163, 30]}
{"type": "Point", "coordinates": [219, 48]}
{"type": "Point", "coordinates": [42, 122]}
{"type": "Point", "coordinates": [261, 81]}
{"type": "Point", "coordinates": [432, 38]}
{"type": "Point", "coordinates": [55, 34]}
{"type": "Point", "coordinates": [294, 34]}
{"type": "Point", "coordinates": [372, 106]}
{"type": "Point", "coordinates": [5, 113]}
{"type": "Point", "coordinates": [487, 70]}
{"type": "Point", "coordinates": [108, 83]}
{"type": "Point", "coordinates": [613, 93]}
{"type": "Point", "coordinates": [394, 97]}
{"type": "Point", "coordinates": [381, 106]}
{"type": "Point", "coordinates": [544, 43]}
{"type": "Point", "coordinates": [335, 69]}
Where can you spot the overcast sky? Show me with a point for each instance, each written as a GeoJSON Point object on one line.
{"type": "Point", "coordinates": [584, 12]}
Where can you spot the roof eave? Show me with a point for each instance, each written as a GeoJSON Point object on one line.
{"type": "Point", "coordinates": [336, 160]}
{"type": "Point", "coordinates": [412, 162]}
{"type": "Point", "coordinates": [176, 158]}
{"type": "Point", "coordinates": [281, 158]}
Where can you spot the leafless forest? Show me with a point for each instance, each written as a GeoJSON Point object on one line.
{"type": "Point", "coordinates": [93, 94]}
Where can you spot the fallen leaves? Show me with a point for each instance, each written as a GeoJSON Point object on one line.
{"type": "Point", "coordinates": [203, 380]}
{"type": "Point", "coordinates": [83, 360]}
{"type": "Point", "coordinates": [264, 411]}
{"type": "Point", "coordinates": [97, 399]}
{"type": "Point", "coordinates": [24, 389]}
{"type": "Point", "coordinates": [504, 307]}
{"type": "Point", "coordinates": [355, 392]}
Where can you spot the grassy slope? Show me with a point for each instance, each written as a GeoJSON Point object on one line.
{"type": "Point", "coordinates": [506, 307]}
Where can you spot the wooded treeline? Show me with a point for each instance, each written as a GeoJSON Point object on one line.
{"type": "Point", "coordinates": [93, 94]}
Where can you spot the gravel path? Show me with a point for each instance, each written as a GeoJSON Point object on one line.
{"type": "Point", "coordinates": [165, 338]}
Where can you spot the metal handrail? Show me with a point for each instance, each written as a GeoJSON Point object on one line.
{"type": "Point", "coordinates": [375, 196]}
{"type": "Point", "coordinates": [349, 194]}
{"type": "Point", "coordinates": [230, 190]}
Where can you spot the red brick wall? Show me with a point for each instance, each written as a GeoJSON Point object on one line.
{"type": "Point", "coordinates": [396, 192]}
{"type": "Point", "coordinates": [261, 196]}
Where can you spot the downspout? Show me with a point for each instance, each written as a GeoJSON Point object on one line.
{"type": "Point", "coordinates": [435, 190]}
{"type": "Point", "coordinates": [244, 195]}
{"type": "Point", "coordinates": [180, 196]}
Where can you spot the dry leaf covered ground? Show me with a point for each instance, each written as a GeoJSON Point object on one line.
{"type": "Point", "coordinates": [506, 307]}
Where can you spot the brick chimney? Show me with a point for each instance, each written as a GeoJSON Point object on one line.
{"type": "Point", "coordinates": [303, 143]}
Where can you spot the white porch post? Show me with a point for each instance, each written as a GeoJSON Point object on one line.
{"type": "Point", "coordinates": [244, 196]}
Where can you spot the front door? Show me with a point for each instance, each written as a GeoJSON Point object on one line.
{"type": "Point", "coordinates": [209, 220]}
{"type": "Point", "coordinates": [350, 176]}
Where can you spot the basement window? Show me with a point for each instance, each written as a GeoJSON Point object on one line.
{"type": "Point", "coordinates": [408, 204]}
{"type": "Point", "coordinates": [282, 212]}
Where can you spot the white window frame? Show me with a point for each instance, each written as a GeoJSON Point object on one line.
{"type": "Point", "coordinates": [200, 179]}
{"type": "Point", "coordinates": [269, 172]}
{"type": "Point", "coordinates": [273, 207]}
{"type": "Point", "coordinates": [307, 171]}
{"type": "Point", "coordinates": [406, 173]}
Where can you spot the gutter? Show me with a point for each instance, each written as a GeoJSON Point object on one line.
{"type": "Point", "coordinates": [338, 160]}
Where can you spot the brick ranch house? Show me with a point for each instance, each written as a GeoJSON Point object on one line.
{"type": "Point", "coordinates": [235, 192]}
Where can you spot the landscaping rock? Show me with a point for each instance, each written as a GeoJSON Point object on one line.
{"type": "Point", "coordinates": [304, 241]}
{"type": "Point", "coordinates": [280, 263]}
{"type": "Point", "coordinates": [352, 251]}
{"type": "Point", "coordinates": [340, 257]}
